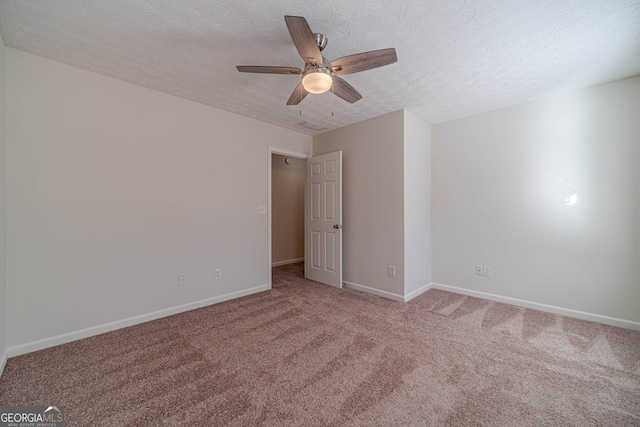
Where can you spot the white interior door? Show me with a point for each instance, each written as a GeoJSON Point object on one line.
{"type": "Point", "coordinates": [323, 224]}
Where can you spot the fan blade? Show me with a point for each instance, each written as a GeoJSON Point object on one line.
{"type": "Point", "coordinates": [268, 70]}
{"type": "Point", "coordinates": [363, 61]}
{"type": "Point", "coordinates": [298, 95]}
{"type": "Point", "coordinates": [303, 39]}
{"type": "Point", "coordinates": [345, 91]}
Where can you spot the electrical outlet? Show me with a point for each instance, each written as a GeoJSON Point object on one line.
{"type": "Point", "coordinates": [479, 270]}
{"type": "Point", "coordinates": [487, 271]}
{"type": "Point", "coordinates": [217, 274]}
{"type": "Point", "coordinates": [392, 271]}
{"type": "Point", "coordinates": [262, 210]}
{"type": "Point", "coordinates": [182, 279]}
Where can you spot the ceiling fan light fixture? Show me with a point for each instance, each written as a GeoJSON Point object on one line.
{"type": "Point", "coordinates": [317, 81]}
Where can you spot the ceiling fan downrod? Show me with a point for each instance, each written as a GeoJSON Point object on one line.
{"type": "Point", "coordinates": [321, 40]}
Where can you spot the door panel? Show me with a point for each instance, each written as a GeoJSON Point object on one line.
{"type": "Point", "coordinates": [316, 192]}
{"type": "Point", "coordinates": [323, 225]}
{"type": "Point", "coordinates": [330, 205]}
{"type": "Point", "coordinates": [315, 249]}
{"type": "Point", "coordinates": [330, 244]}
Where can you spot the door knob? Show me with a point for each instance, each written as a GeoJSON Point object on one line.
{"type": "Point", "coordinates": [337, 226]}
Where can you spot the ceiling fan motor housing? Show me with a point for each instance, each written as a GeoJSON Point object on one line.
{"type": "Point", "coordinates": [325, 66]}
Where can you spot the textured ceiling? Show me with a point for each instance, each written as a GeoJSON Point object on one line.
{"type": "Point", "coordinates": [455, 58]}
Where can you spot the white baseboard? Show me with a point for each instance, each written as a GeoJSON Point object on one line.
{"type": "Point", "coordinates": [374, 291]}
{"type": "Point", "coordinates": [3, 362]}
{"type": "Point", "coordinates": [613, 321]}
{"type": "Point", "coordinates": [287, 262]}
{"type": "Point", "coordinates": [420, 290]}
{"type": "Point", "coordinates": [17, 350]}
{"type": "Point", "coordinates": [388, 295]}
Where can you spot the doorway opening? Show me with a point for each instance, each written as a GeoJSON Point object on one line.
{"type": "Point", "coordinates": [286, 214]}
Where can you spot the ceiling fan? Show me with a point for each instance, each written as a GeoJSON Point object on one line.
{"type": "Point", "coordinates": [319, 75]}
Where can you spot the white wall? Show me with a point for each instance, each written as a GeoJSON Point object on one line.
{"type": "Point", "coordinates": [287, 208]}
{"type": "Point", "coordinates": [114, 189]}
{"type": "Point", "coordinates": [3, 221]}
{"type": "Point", "coordinates": [372, 199]}
{"type": "Point", "coordinates": [417, 203]}
{"type": "Point", "coordinates": [500, 181]}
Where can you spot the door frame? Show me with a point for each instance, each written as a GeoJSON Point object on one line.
{"type": "Point", "coordinates": [288, 153]}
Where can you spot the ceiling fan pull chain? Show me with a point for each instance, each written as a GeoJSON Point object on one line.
{"type": "Point", "coordinates": [301, 99]}
{"type": "Point", "coordinates": [333, 99]}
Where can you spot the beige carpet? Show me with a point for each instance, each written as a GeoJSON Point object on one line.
{"type": "Point", "coordinates": [306, 354]}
